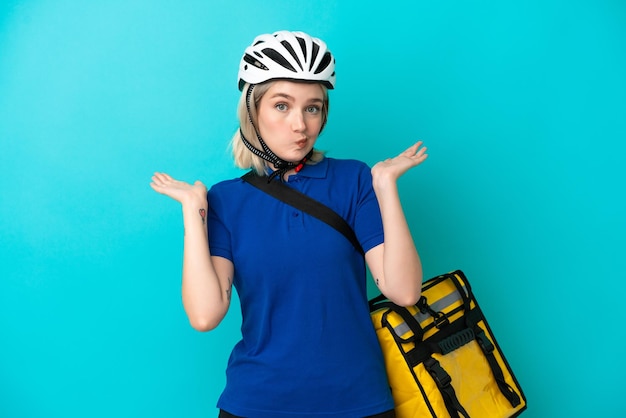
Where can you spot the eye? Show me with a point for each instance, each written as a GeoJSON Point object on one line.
{"type": "Point", "coordinates": [280, 106]}
{"type": "Point", "coordinates": [313, 109]}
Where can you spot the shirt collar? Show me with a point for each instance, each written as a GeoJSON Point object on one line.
{"type": "Point", "coordinates": [316, 171]}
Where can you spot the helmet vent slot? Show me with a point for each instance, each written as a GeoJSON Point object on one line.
{"type": "Point", "coordinates": [323, 63]}
{"type": "Point", "coordinates": [302, 43]}
{"type": "Point", "coordinates": [279, 59]}
{"type": "Point", "coordinates": [316, 49]}
{"type": "Point", "coordinates": [251, 60]}
{"type": "Point", "coordinates": [288, 47]}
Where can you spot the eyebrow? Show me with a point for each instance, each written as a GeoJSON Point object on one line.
{"type": "Point", "coordinates": [288, 97]}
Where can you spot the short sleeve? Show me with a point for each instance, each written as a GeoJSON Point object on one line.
{"type": "Point", "coordinates": [368, 222]}
{"type": "Point", "coordinates": [219, 235]}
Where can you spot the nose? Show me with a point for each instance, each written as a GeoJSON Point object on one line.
{"type": "Point", "coordinates": [297, 122]}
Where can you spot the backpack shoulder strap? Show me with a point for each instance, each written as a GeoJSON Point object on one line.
{"type": "Point", "coordinates": [305, 203]}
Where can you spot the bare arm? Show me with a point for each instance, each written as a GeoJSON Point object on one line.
{"type": "Point", "coordinates": [395, 264]}
{"type": "Point", "coordinates": [207, 280]}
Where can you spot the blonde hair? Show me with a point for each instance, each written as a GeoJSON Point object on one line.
{"type": "Point", "coordinates": [244, 158]}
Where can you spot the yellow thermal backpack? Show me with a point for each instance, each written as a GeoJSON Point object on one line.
{"type": "Point", "coordinates": [442, 358]}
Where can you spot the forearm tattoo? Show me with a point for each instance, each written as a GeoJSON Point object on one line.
{"type": "Point", "coordinates": [229, 289]}
{"type": "Point", "coordinates": [203, 215]}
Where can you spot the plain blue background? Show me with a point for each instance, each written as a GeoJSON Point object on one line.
{"type": "Point", "coordinates": [523, 108]}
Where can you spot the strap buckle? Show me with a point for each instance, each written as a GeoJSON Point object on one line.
{"type": "Point", "coordinates": [439, 318]}
{"type": "Point", "coordinates": [484, 342]}
{"type": "Point", "coordinates": [439, 375]}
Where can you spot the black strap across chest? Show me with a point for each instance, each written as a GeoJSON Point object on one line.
{"type": "Point", "coordinates": [305, 203]}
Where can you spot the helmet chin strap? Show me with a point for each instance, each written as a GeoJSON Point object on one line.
{"type": "Point", "coordinates": [280, 165]}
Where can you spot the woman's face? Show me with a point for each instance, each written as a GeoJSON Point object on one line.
{"type": "Point", "coordinates": [290, 118]}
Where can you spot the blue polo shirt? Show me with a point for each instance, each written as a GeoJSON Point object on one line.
{"type": "Point", "coordinates": [308, 346]}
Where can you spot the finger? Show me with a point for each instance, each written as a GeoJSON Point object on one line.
{"type": "Point", "coordinates": [156, 180]}
{"type": "Point", "coordinates": [160, 177]}
{"type": "Point", "coordinates": [410, 151]}
{"type": "Point", "coordinates": [419, 158]}
{"type": "Point", "coordinates": [413, 149]}
{"type": "Point", "coordinates": [167, 177]}
{"type": "Point", "coordinates": [157, 187]}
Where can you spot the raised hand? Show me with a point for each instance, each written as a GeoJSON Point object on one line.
{"type": "Point", "coordinates": [178, 190]}
{"type": "Point", "coordinates": [392, 168]}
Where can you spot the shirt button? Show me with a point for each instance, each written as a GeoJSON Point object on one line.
{"type": "Point", "coordinates": [295, 214]}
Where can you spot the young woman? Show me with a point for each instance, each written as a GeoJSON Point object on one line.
{"type": "Point", "coordinates": [308, 347]}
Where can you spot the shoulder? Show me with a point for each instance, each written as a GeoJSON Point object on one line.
{"type": "Point", "coordinates": [349, 178]}
{"type": "Point", "coordinates": [347, 166]}
{"type": "Point", "coordinates": [225, 186]}
{"type": "Point", "coordinates": [345, 163]}
{"type": "Point", "coordinates": [228, 192]}
{"type": "Point", "coordinates": [351, 169]}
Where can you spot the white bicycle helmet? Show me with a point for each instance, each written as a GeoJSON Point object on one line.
{"type": "Point", "coordinates": [287, 55]}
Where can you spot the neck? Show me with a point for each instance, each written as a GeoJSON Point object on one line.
{"type": "Point", "coordinates": [284, 169]}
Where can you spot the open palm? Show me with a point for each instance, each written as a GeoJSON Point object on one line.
{"type": "Point", "coordinates": [178, 190]}
{"type": "Point", "coordinates": [393, 168]}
